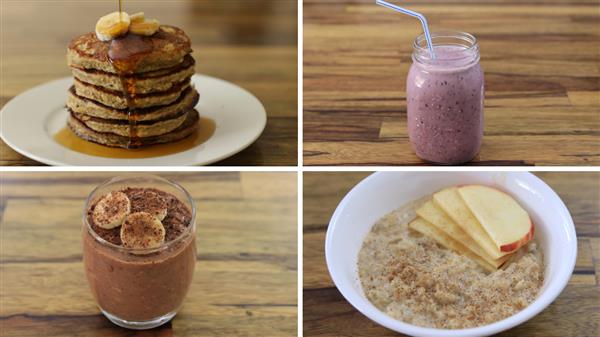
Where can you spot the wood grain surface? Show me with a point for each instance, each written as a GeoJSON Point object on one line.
{"type": "Point", "coordinates": [245, 281]}
{"type": "Point", "coordinates": [576, 312]}
{"type": "Point", "coordinates": [541, 60]}
{"type": "Point", "coordinates": [250, 43]}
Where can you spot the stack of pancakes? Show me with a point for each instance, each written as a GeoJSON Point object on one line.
{"type": "Point", "coordinates": [152, 102]}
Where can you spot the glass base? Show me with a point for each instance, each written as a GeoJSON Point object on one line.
{"type": "Point", "coordinates": [139, 325]}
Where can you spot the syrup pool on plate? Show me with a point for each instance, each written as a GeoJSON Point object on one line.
{"type": "Point", "coordinates": [70, 140]}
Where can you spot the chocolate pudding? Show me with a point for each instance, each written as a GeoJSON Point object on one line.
{"type": "Point", "coordinates": [139, 253]}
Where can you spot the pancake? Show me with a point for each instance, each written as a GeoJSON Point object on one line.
{"type": "Point", "coordinates": [169, 46]}
{"type": "Point", "coordinates": [154, 81]}
{"type": "Point", "coordinates": [122, 128]}
{"type": "Point", "coordinates": [146, 79]}
{"type": "Point", "coordinates": [186, 101]}
{"type": "Point", "coordinates": [189, 126]}
{"type": "Point", "coordinates": [117, 99]}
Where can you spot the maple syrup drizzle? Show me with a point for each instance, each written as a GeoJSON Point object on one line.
{"type": "Point", "coordinates": [125, 53]}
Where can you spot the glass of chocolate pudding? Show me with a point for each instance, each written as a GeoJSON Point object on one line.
{"type": "Point", "coordinates": [139, 249]}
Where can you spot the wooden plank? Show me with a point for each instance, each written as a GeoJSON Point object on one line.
{"type": "Point", "coordinates": [321, 199]}
{"type": "Point", "coordinates": [595, 244]}
{"type": "Point", "coordinates": [326, 313]}
{"type": "Point", "coordinates": [80, 184]}
{"type": "Point", "coordinates": [316, 275]}
{"type": "Point", "coordinates": [220, 231]}
{"type": "Point", "coordinates": [585, 98]}
{"type": "Point", "coordinates": [580, 191]}
{"type": "Point", "coordinates": [34, 290]}
{"type": "Point", "coordinates": [322, 193]}
{"type": "Point", "coordinates": [271, 186]}
{"type": "Point", "coordinates": [516, 150]}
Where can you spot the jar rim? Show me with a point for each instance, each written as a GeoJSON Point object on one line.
{"type": "Point", "coordinates": [141, 251]}
{"type": "Point", "coordinates": [466, 40]}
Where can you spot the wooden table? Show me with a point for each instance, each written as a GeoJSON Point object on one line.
{"type": "Point", "coordinates": [542, 77]}
{"type": "Point", "coordinates": [250, 43]}
{"type": "Point", "coordinates": [576, 312]}
{"type": "Point", "coordinates": [245, 281]}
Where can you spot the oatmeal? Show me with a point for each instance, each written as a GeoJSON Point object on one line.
{"type": "Point", "coordinates": [413, 279]}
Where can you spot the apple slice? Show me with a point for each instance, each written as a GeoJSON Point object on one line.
{"type": "Point", "coordinates": [450, 201]}
{"type": "Point", "coordinates": [503, 219]}
{"type": "Point", "coordinates": [437, 217]}
{"type": "Point", "coordinates": [426, 228]}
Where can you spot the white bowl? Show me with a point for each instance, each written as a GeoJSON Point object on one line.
{"type": "Point", "coordinates": [383, 192]}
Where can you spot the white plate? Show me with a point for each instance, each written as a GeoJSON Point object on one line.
{"type": "Point", "coordinates": [30, 121]}
{"type": "Point", "coordinates": [383, 192]}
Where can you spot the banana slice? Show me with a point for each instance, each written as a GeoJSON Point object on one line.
{"type": "Point", "coordinates": [137, 17]}
{"type": "Point", "coordinates": [112, 25]}
{"type": "Point", "coordinates": [145, 27]}
{"type": "Point", "coordinates": [111, 210]}
{"type": "Point", "coordinates": [142, 230]}
{"type": "Point", "coordinates": [149, 202]}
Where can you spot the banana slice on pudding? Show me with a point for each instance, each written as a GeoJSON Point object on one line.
{"type": "Point", "coordinates": [110, 211]}
{"type": "Point", "coordinates": [142, 230]}
{"type": "Point", "coordinates": [112, 26]}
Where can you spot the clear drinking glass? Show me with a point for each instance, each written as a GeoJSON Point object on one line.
{"type": "Point", "coordinates": [139, 288]}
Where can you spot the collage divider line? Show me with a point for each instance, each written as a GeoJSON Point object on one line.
{"type": "Point", "coordinates": [299, 167]}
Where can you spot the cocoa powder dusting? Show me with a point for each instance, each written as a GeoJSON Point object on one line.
{"type": "Point", "coordinates": [148, 200]}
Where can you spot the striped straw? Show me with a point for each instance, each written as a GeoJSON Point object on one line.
{"type": "Point", "coordinates": [413, 14]}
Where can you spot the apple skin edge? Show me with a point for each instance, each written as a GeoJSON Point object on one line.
{"type": "Point", "coordinates": [516, 245]}
{"type": "Point", "coordinates": [511, 247]}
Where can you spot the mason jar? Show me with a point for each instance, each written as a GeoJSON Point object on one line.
{"type": "Point", "coordinates": [444, 97]}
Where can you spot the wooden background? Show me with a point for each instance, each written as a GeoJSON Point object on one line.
{"type": "Point", "coordinates": [576, 312]}
{"type": "Point", "coordinates": [542, 75]}
{"type": "Point", "coordinates": [250, 43]}
{"type": "Point", "coordinates": [245, 282]}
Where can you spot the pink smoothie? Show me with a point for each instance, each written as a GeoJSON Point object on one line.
{"type": "Point", "coordinates": [445, 105]}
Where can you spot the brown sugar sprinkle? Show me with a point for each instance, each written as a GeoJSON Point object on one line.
{"type": "Point", "coordinates": [413, 279]}
{"type": "Point", "coordinates": [178, 217]}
